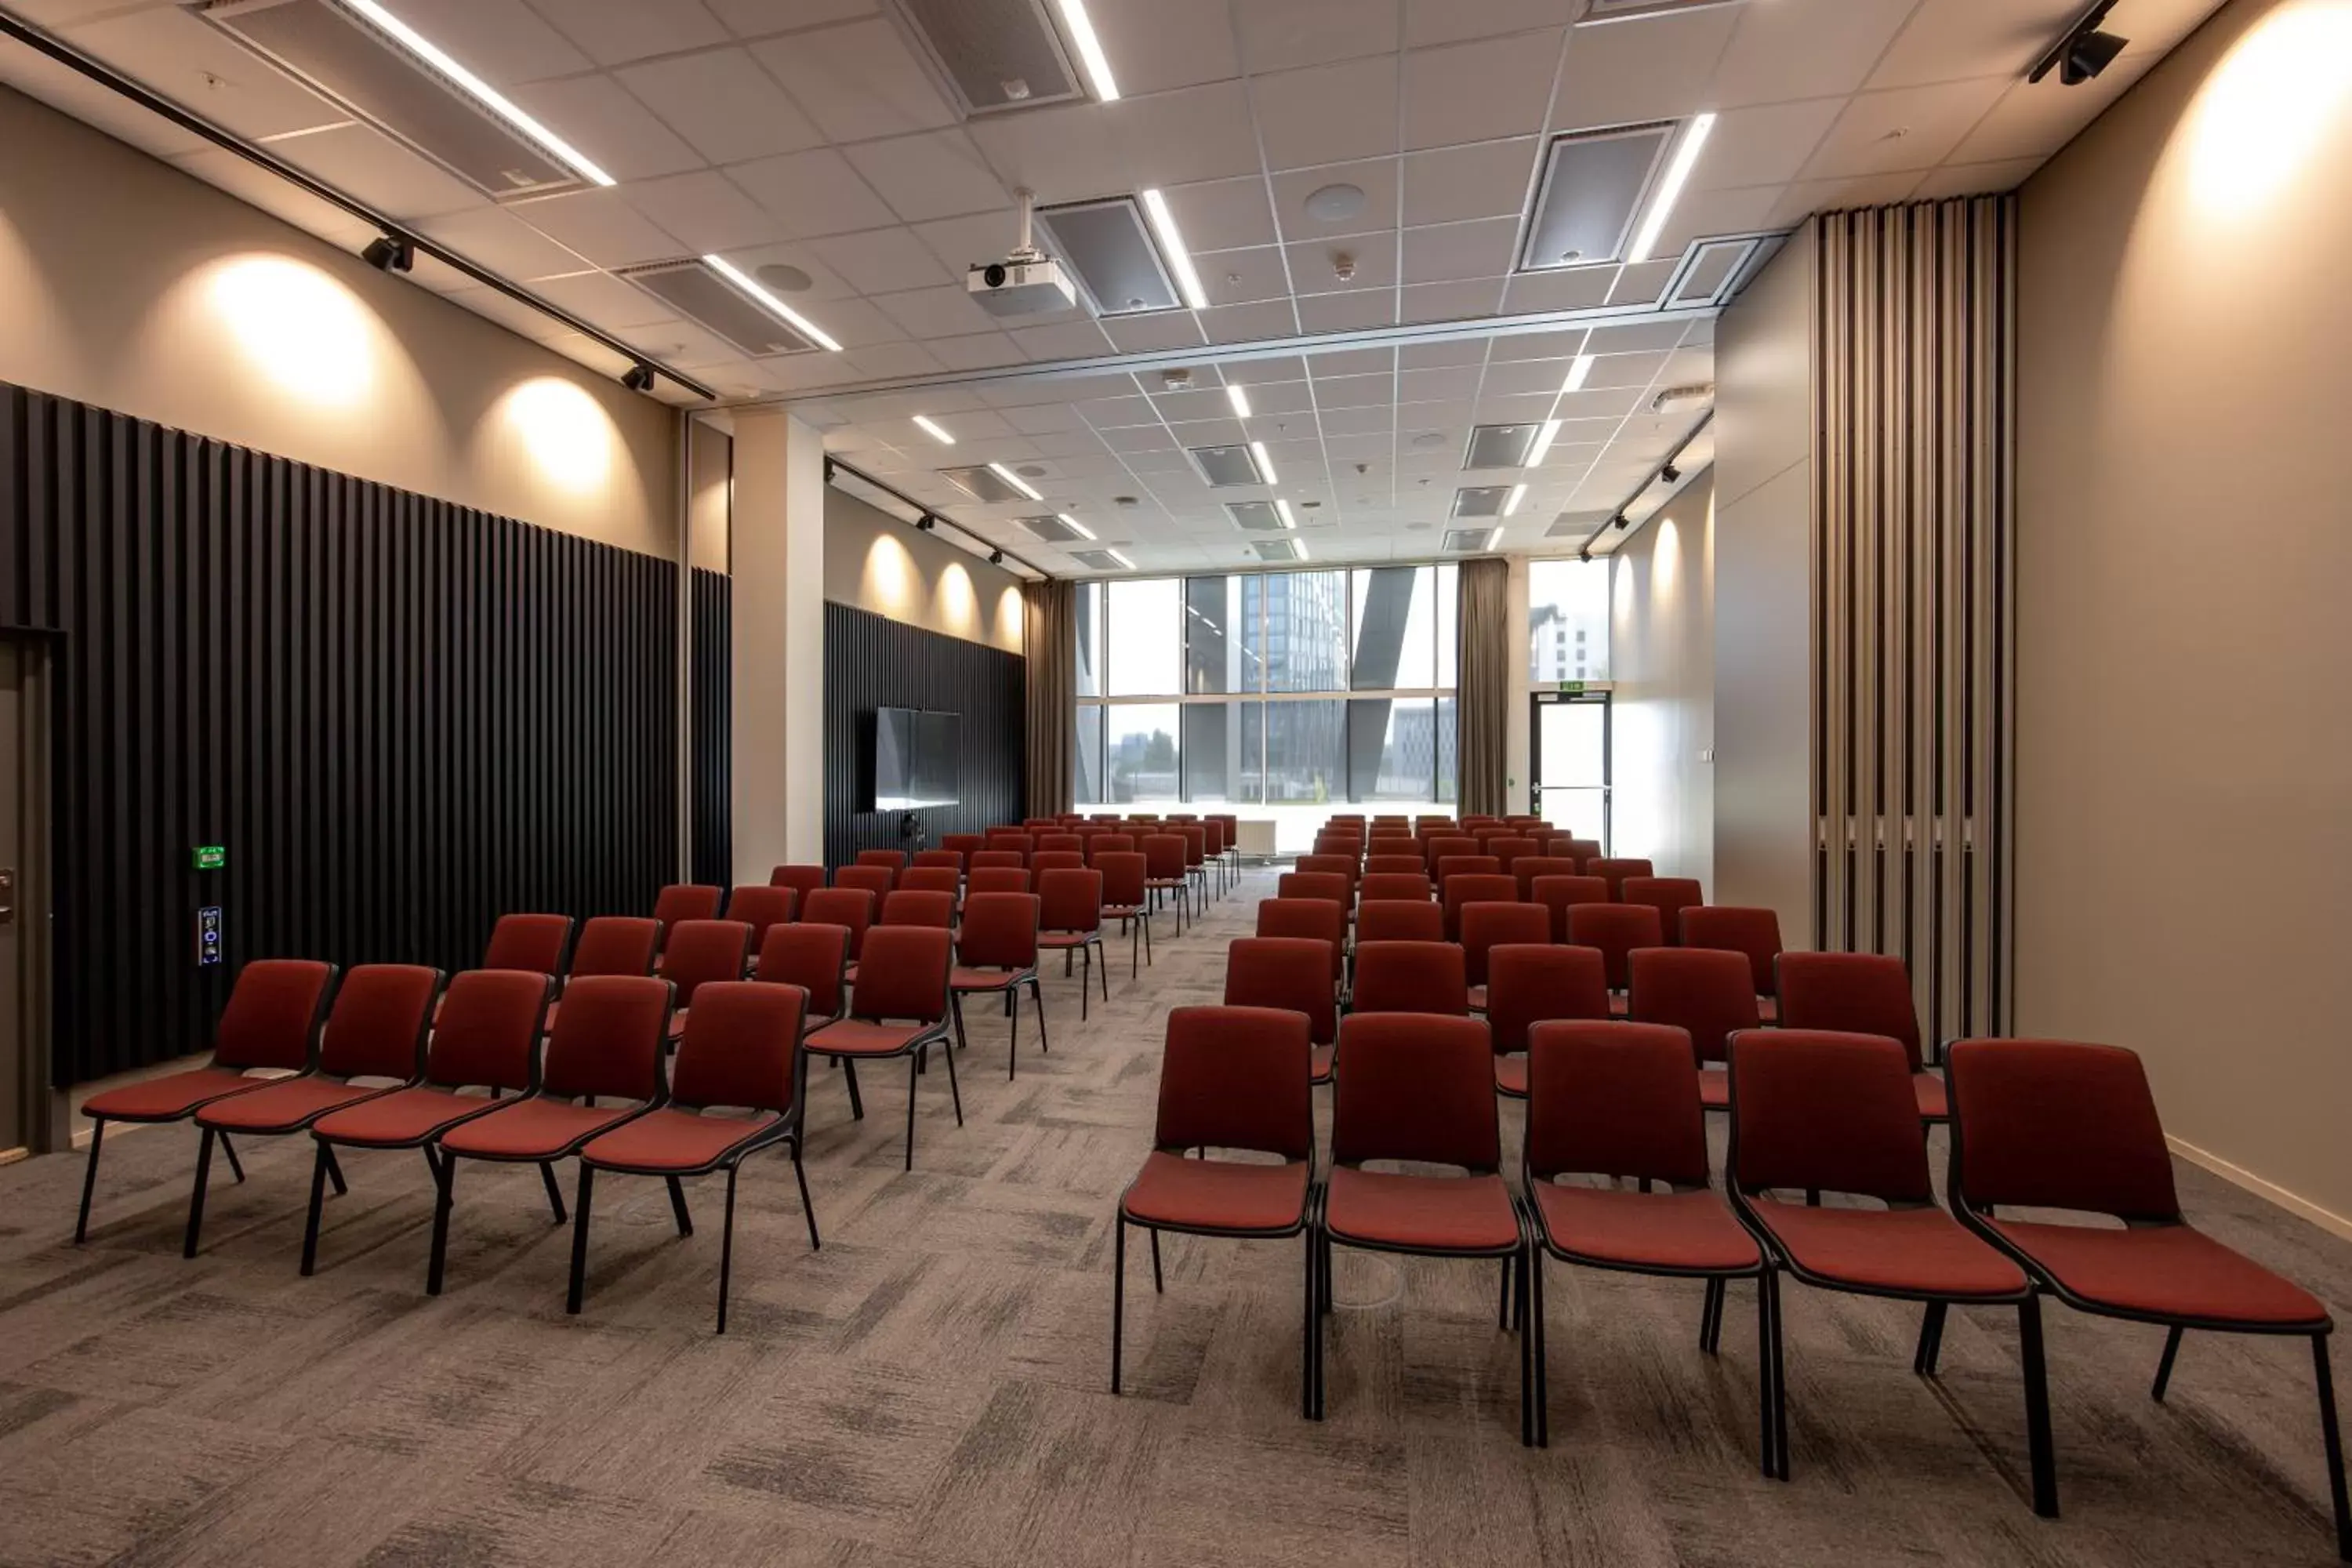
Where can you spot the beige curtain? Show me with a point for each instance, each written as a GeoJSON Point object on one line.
{"type": "Point", "coordinates": [1914, 632]}
{"type": "Point", "coordinates": [1482, 685]}
{"type": "Point", "coordinates": [1049, 645]}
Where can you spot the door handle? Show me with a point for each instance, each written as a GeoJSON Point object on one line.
{"type": "Point", "coordinates": [7, 895]}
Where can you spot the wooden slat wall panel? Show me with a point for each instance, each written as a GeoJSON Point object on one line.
{"type": "Point", "coordinates": [403, 717]}
{"type": "Point", "coordinates": [710, 797]}
{"type": "Point", "coordinates": [871, 661]}
{"type": "Point", "coordinates": [1914, 515]}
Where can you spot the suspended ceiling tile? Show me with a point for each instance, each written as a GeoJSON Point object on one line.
{"type": "Point", "coordinates": [1908, 128]}
{"type": "Point", "coordinates": [857, 81]}
{"type": "Point", "coordinates": [1490, 179]}
{"type": "Point", "coordinates": [1155, 45]}
{"type": "Point", "coordinates": [722, 104]}
{"type": "Point", "coordinates": [1473, 92]}
{"type": "Point", "coordinates": [1330, 114]}
{"type": "Point", "coordinates": [883, 260]}
{"type": "Point", "coordinates": [1281, 34]}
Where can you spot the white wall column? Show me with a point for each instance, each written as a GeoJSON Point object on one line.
{"type": "Point", "coordinates": [778, 565]}
{"type": "Point", "coordinates": [1517, 745]}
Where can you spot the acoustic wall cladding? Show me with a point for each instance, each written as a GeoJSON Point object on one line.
{"type": "Point", "coordinates": [401, 717]}
{"type": "Point", "coordinates": [710, 696]}
{"type": "Point", "coordinates": [871, 661]}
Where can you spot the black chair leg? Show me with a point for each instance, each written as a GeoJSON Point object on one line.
{"type": "Point", "coordinates": [1931, 1340]}
{"type": "Point", "coordinates": [1086, 985]}
{"type": "Point", "coordinates": [955, 1015]}
{"type": "Point", "coordinates": [678, 1206]}
{"type": "Point", "coordinates": [1117, 1295]}
{"type": "Point", "coordinates": [89, 1177]}
{"type": "Point", "coordinates": [914, 1081]}
{"type": "Point", "coordinates": [2037, 1408]}
{"type": "Point", "coordinates": [1779, 1381]}
{"type": "Point", "coordinates": [554, 1191]}
{"type": "Point", "coordinates": [580, 1237]}
{"type": "Point", "coordinates": [1037, 997]}
{"type": "Point", "coordinates": [196, 1195]}
{"type": "Point", "coordinates": [318, 1201]}
{"type": "Point", "coordinates": [2164, 1366]}
{"type": "Point", "coordinates": [955, 1090]}
{"type": "Point", "coordinates": [1710, 1316]}
{"type": "Point", "coordinates": [1100, 959]}
{"type": "Point", "coordinates": [334, 1170]}
{"type": "Point", "coordinates": [443, 1181]}
{"type": "Point", "coordinates": [807, 1208]}
{"type": "Point", "coordinates": [1158, 1285]}
{"type": "Point", "coordinates": [236, 1166]}
{"type": "Point", "coordinates": [1013, 1030]}
{"type": "Point", "coordinates": [726, 1246]}
{"type": "Point", "coordinates": [849, 1082]}
{"type": "Point", "coordinates": [2333, 1438]}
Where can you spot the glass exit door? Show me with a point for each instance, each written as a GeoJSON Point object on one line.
{"type": "Point", "coordinates": [1571, 763]}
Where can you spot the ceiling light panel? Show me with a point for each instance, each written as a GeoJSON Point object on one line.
{"type": "Point", "coordinates": [758, 293]}
{"type": "Point", "coordinates": [1499, 446]}
{"type": "Point", "coordinates": [1102, 560]}
{"type": "Point", "coordinates": [1593, 182]}
{"type": "Point", "coordinates": [1277, 550]}
{"type": "Point", "coordinates": [1172, 245]}
{"type": "Point", "coordinates": [1670, 187]}
{"type": "Point", "coordinates": [1480, 501]}
{"type": "Point", "coordinates": [1470, 539]}
{"type": "Point", "coordinates": [1015, 480]}
{"type": "Point", "coordinates": [1255, 516]}
{"type": "Point", "coordinates": [1106, 245]}
{"type": "Point", "coordinates": [1227, 465]}
{"type": "Point", "coordinates": [1083, 37]}
{"type": "Point", "coordinates": [1051, 529]}
{"type": "Point", "coordinates": [1712, 266]}
{"type": "Point", "coordinates": [931, 427]}
{"type": "Point", "coordinates": [982, 484]}
{"type": "Point", "coordinates": [702, 295]}
{"type": "Point", "coordinates": [996, 54]}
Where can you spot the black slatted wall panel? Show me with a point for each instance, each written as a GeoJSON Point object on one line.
{"type": "Point", "coordinates": [402, 717]}
{"type": "Point", "coordinates": [710, 781]}
{"type": "Point", "coordinates": [872, 661]}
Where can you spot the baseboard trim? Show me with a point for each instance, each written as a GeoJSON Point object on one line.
{"type": "Point", "coordinates": [2237, 1175]}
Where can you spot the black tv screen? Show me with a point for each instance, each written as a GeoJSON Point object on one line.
{"type": "Point", "coordinates": [915, 757]}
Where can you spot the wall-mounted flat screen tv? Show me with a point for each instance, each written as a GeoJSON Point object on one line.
{"type": "Point", "coordinates": [914, 755]}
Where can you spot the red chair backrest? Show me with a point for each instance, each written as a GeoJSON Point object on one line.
{"type": "Point", "coordinates": [1472, 888]}
{"type": "Point", "coordinates": [1337, 888]}
{"type": "Point", "coordinates": [1527, 868]}
{"type": "Point", "coordinates": [875, 879]}
{"type": "Point", "coordinates": [1582, 850]}
{"type": "Point", "coordinates": [741, 1047]}
{"type": "Point", "coordinates": [608, 1037]}
{"type": "Point", "coordinates": [1559, 894]}
{"type": "Point", "coordinates": [1345, 865]}
{"type": "Point", "coordinates": [762, 907]}
{"type": "Point", "coordinates": [849, 907]}
{"type": "Point", "coordinates": [1292, 972]}
{"type": "Point", "coordinates": [963, 844]}
{"type": "Point", "coordinates": [1217, 839]}
{"type": "Point", "coordinates": [2058, 1124]}
{"type": "Point", "coordinates": [1163, 856]}
{"type": "Point", "coordinates": [1123, 877]}
{"type": "Point", "coordinates": [688, 901]}
{"type": "Point", "coordinates": [1103, 843]}
{"type": "Point", "coordinates": [997, 879]}
{"type": "Point", "coordinates": [699, 951]}
{"type": "Point", "coordinates": [1196, 843]}
{"type": "Point", "coordinates": [1669, 896]}
{"type": "Point", "coordinates": [1452, 866]}
{"type": "Point", "coordinates": [1529, 982]}
{"type": "Point", "coordinates": [1443, 844]}
{"type": "Point", "coordinates": [1379, 885]}
{"type": "Point", "coordinates": [1616, 930]}
{"type": "Point", "coordinates": [1235, 1078]}
{"type": "Point", "coordinates": [931, 879]}
{"type": "Point", "coordinates": [1069, 900]}
{"type": "Point", "coordinates": [1510, 849]}
{"type": "Point", "coordinates": [918, 906]}
{"type": "Point", "coordinates": [1705, 993]}
{"type": "Point", "coordinates": [1819, 1109]}
{"type": "Point", "coordinates": [813, 957]}
{"type": "Point", "coordinates": [377, 1025]}
{"type": "Point", "coordinates": [999, 931]}
{"type": "Point", "coordinates": [904, 973]}
{"type": "Point", "coordinates": [1379, 865]}
{"type": "Point", "coordinates": [615, 944]}
{"type": "Point", "coordinates": [1411, 978]}
{"type": "Point", "coordinates": [535, 943]}
{"type": "Point", "coordinates": [1614, 873]}
{"type": "Point", "coordinates": [1735, 929]}
{"type": "Point", "coordinates": [1854, 993]}
{"type": "Point", "coordinates": [1060, 844]}
{"type": "Point", "coordinates": [997, 860]}
{"type": "Point", "coordinates": [1615, 1099]}
{"type": "Point", "coordinates": [1415, 1088]}
{"type": "Point", "coordinates": [487, 1029]}
{"type": "Point", "coordinates": [1045, 860]}
{"type": "Point", "coordinates": [926, 859]}
{"type": "Point", "coordinates": [1321, 919]}
{"type": "Point", "coordinates": [273, 1014]}
{"type": "Point", "coordinates": [801, 879]}
{"type": "Point", "coordinates": [1484, 925]}
{"type": "Point", "coordinates": [1398, 920]}
{"type": "Point", "coordinates": [895, 859]}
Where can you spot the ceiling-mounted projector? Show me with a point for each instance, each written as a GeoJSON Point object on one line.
{"type": "Point", "coordinates": [1027, 282]}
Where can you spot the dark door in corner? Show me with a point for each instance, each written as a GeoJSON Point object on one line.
{"type": "Point", "coordinates": [16, 1066]}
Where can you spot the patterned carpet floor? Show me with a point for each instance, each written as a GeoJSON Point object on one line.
{"type": "Point", "coordinates": [932, 1387]}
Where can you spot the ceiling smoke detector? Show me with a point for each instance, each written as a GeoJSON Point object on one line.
{"type": "Point", "coordinates": [1175, 380]}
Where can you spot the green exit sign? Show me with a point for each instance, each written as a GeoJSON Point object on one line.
{"type": "Point", "coordinates": [1571, 688]}
{"type": "Point", "coordinates": [211, 857]}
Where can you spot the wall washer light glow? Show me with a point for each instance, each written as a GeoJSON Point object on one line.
{"type": "Point", "coordinates": [930, 427]}
{"type": "Point", "coordinates": [567, 433]}
{"type": "Point", "coordinates": [2265, 111]}
{"type": "Point", "coordinates": [958, 603]}
{"type": "Point", "coordinates": [1179, 261]}
{"type": "Point", "coordinates": [297, 326]}
{"type": "Point", "coordinates": [480, 91]}
{"type": "Point", "coordinates": [890, 574]}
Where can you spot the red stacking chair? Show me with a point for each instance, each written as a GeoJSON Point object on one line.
{"type": "Point", "coordinates": [1484, 925]}
{"type": "Point", "coordinates": [1615, 872]}
{"type": "Point", "coordinates": [1379, 865]}
{"type": "Point", "coordinates": [1196, 860]}
{"type": "Point", "coordinates": [2053, 1124]}
{"type": "Point", "coordinates": [1559, 894]}
{"type": "Point", "coordinates": [918, 906]}
{"type": "Point", "coordinates": [1379, 885]}
{"type": "Point", "coordinates": [1104, 816]}
{"type": "Point", "coordinates": [1011, 842]}
{"type": "Point", "coordinates": [1103, 843]}
{"type": "Point", "coordinates": [1753, 931]}
{"type": "Point", "coordinates": [1513, 847]}
{"type": "Point", "coordinates": [898, 1007]}
{"type": "Point", "coordinates": [963, 844]}
{"type": "Point", "coordinates": [1126, 899]}
{"type": "Point", "coordinates": [1704, 993]}
{"type": "Point", "coordinates": [813, 957]}
{"type": "Point", "coordinates": [1165, 871]}
{"type": "Point", "coordinates": [996, 954]}
{"type": "Point", "coordinates": [1398, 920]}
{"type": "Point", "coordinates": [997, 879]}
{"type": "Point", "coordinates": [1622, 1099]}
{"type": "Point", "coordinates": [1045, 860]}
{"type": "Point", "coordinates": [1232, 834]}
{"type": "Point", "coordinates": [1292, 972]}
{"type": "Point", "coordinates": [270, 1024]}
{"type": "Point", "coordinates": [1410, 977]}
{"type": "Point", "coordinates": [931, 879]}
{"type": "Point", "coordinates": [1317, 917]}
{"type": "Point", "coordinates": [1181, 816]}
{"type": "Point", "coordinates": [1858, 993]}
{"type": "Point", "coordinates": [1440, 845]}
{"type": "Point", "coordinates": [850, 907]}
{"type": "Point", "coordinates": [741, 1050]}
{"type": "Point", "coordinates": [1584, 851]}
{"type": "Point", "coordinates": [1345, 865]}
{"type": "Point", "coordinates": [929, 859]}
{"type": "Point", "coordinates": [892, 860]}
{"type": "Point", "coordinates": [614, 944]}
{"type": "Point", "coordinates": [801, 879]}
{"type": "Point", "coordinates": [1417, 1090]}
{"type": "Point", "coordinates": [875, 879]}
{"type": "Point", "coordinates": [1529, 984]}
{"type": "Point", "coordinates": [1230, 1077]}
{"type": "Point", "coordinates": [605, 1044]}
{"type": "Point", "coordinates": [376, 1030]}
{"type": "Point", "coordinates": [762, 907]}
{"type": "Point", "coordinates": [1070, 919]}
{"type": "Point", "coordinates": [1331, 885]}
{"type": "Point", "coordinates": [1616, 930]}
{"type": "Point", "coordinates": [1215, 850]}
{"type": "Point", "coordinates": [1472, 887]}
{"type": "Point", "coordinates": [536, 942]}
{"type": "Point", "coordinates": [1061, 844]}
{"type": "Point", "coordinates": [688, 901]}
{"type": "Point", "coordinates": [485, 1034]}
{"type": "Point", "coordinates": [996, 859]}
{"type": "Point", "coordinates": [1669, 896]}
{"type": "Point", "coordinates": [1452, 866]}
{"type": "Point", "coordinates": [699, 951]}
{"type": "Point", "coordinates": [1527, 868]}
{"type": "Point", "coordinates": [1032, 824]}
{"type": "Point", "coordinates": [1819, 1111]}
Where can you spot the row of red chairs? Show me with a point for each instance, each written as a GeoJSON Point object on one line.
{"type": "Point", "coordinates": [2036, 1124]}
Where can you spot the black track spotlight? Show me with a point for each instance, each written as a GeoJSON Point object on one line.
{"type": "Point", "coordinates": [996, 558]}
{"type": "Point", "coordinates": [2088, 54]}
{"type": "Point", "coordinates": [638, 378]}
{"type": "Point", "coordinates": [1669, 474]}
{"type": "Point", "coordinates": [927, 522]}
{"type": "Point", "coordinates": [389, 253]}
{"type": "Point", "coordinates": [1619, 521]}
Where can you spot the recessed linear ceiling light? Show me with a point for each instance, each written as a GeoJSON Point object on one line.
{"type": "Point", "coordinates": [1670, 189]}
{"type": "Point", "coordinates": [1015, 480]}
{"type": "Point", "coordinates": [1120, 558]}
{"type": "Point", "coordinates": [1264, 463]}
{"type": "Point", "coordinates": [1239, 397]}
{"type": "Point", "coordinates": [1090, 50]}
{"type": "Point", "coordinates": [1179, 261]}
{"type": "Point", "coordinates": [782, 312]}
{"type": "Point", "coordinates": [480, 91]}
{"type": "Point", "coordinates": [1511, 504]}
{"type": "Point", "coordinates": [1544, 438]}
{"type": "Point", "coordinates": [1284, 508]}
{"type": "Point", "coordinates": [1083, 531]}
{"type": "Point", "coordinates": [929, 427]}
{"type": "Point", "coordinates": [1578, 369]}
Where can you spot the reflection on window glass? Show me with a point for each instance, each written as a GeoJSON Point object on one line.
{"type": "Point", "coordinates": [1568, 621]}
{"type": "Point", "coordinates": [1140, 751]}
{"type": "Point", "coordinates": [1304, 635]}
{"type": "Point", "coordinates": [1086, 756]}
{"type": "Point", "coordinates": [1449, 606]}
{"type": "Point", "coordinates": [1144, 624]}
{"type": "Point", "coordinates": [1088, 609]}
{"type": "Point", "coordinates": [1213, 644]}
{"type": "Point", "coordinates": [1391, 748]}
{"type": "Point", "coordinates": [1213, 752]}
{"type": "Point", "coordinates": [1306, 752]}
{"type": "Point", "coordinates": [1396, 628]}
{"type": "Point", "coordinates": [1448, 754]}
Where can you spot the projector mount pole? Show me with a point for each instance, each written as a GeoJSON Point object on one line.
{"type": "Point", "coordinates": [1026, 250]}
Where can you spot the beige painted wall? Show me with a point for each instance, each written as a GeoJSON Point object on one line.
{"type": "Point", "coordinates": [876, 563]}
{"type": "Point", "coordinates": [1763, 605]}
{"type": "Point", "coordinates": [2185, 344]}
{"type": "Point", "coordinates": [1662, 659]}
{"type": "Point", "coordinates": [128, 284]}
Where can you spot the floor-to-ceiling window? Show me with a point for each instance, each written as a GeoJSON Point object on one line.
{"type": "Point", "coordinates": [1287, 692]}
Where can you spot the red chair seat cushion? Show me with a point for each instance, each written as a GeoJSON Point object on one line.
{"type": "Point", "coordinates": [286, 1106]}
{"type": "Point", "coordinates": [403, 1117]}
{"type": "Point", "coordinates": [1767, 1009]}
{"type": "Point", "coordinates": [1620, 1005]}
{"type": "Point", "coordinates": [1714, 1088]}
{"type": "Point", "coordinates": [1122, 912]}
{"type": "Point", "coordinates": [1478, 998]}
{"type": "Point", "coordinates": [1934, 1104]}
{"type": "Point", "coordinates": [1217, 1195]}
{"type": "Point", "coordinates": [1061, 939]}
{"type": "Point", "coordinates": [534, 1128]}
{"type": "Point", "coordinates": [1434, 1214]}
{"type": "Point", "coordinates": [1691, 1233]}
{"type": "Point", "coordinates": [1914, 1252]}
{"type": "Point", "coordinates": [862, 1037]}
{"type": "Point", "coordinates": [671, 1139]}
{"type": "Point", "coordinates": [1319, 1063]}
{"type": "Point", "coordinates": [963, 979]}
{"type": "Point", "coordinates": [1511, 1077]}
{"type": "Point", "coordinates": [2162, 1271]}
{"type": "Point", "coordinates": [170, 1097]}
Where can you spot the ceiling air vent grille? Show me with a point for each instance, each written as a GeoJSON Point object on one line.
{"type": "Point", "coordinates": [696, 291]}
{"type": "Point", "coordinates": [1708, 271]}
{"type": "Point", "coordinates": [994, 54]}
{"type": "Point", "coordinates": [1106, 245]}
{"type": "Point", "coordinates": [1469, 539]}
{"type": "Point", "coordinates": [1275, 549]}
{"type": "Point", "coordinates": [1593, 182]}
{"type": "Point", "coordinates": [982, 484]}
{"type": "Point", "coordinates": [1098, 560]}
{"type": "Point", "coordinates": [1255, 516]}
{"type": "Point", "coordinates": [1480, 501]}
{"type": "Point", "coordinates": [1227, 465]}
{"type": "Point", "coordinates": [1599, 11]}
{"type": "Point", "coordinates": [1051, 529]}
